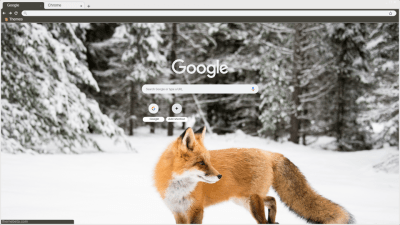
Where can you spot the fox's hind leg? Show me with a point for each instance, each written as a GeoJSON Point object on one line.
{"type": "Point", "coordinates": [257, 209]}
{"type": "Point", "coordinates": [271, 205]}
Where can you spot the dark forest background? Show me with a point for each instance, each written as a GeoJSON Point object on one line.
{"type": "Point", "coordinates": [62, 81]}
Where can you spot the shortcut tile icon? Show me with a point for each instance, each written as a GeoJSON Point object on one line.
{"type": "Point", "coordinates": [153, 108]}
{"type": "Point", "coordinates": [177, 108]}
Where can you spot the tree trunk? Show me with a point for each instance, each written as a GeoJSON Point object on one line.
{"type": "Point", "coordinates": [153, 125]}
{"type": "Point", "coordinates": [132, 108]}
{"type": "Point", "coordinates": [304, 127]}
{"type": "Point", "coordinates": [305, 122]}
{"type": "Point", "coordinates": [171, 124]}
{"type": "Point", "coordinates": [183, 113]}
{"type": "Point", "coordinates": [297, 58]}
{"type": "Point", "coordinates": [173, 58]}
{"type": "Point", "coordinates": [152, 128]}
{"type": "Point", "coordinates": [340, 110]}
{"type": "Point", "coordinates": [276, 131]}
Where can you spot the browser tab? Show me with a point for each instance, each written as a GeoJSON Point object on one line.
{"type": "Point", "coordinates": [64, 5]}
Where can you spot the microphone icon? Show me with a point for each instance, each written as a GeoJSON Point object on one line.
{"type": "Point", "coordinates": [252, 88]}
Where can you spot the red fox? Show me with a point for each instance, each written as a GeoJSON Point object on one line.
{"type": "Point", "coordinates": [190, 178]}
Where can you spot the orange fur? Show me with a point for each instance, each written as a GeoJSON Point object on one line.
{"type": "Point", "coordinates": [247, 175]}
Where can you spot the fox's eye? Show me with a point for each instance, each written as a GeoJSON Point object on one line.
{"type": "Point", "coordinates": [202, 163]}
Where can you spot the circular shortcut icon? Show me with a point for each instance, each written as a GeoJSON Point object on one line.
{"type": "Point", "coordinates": [177, 108]}
{"type": "Point", "coordinates": [153, 108]}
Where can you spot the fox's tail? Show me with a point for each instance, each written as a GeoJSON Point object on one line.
{"type": "Point", "coordinates": [294, 190]}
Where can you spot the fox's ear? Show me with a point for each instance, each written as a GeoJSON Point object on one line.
{"type": "Point", "coordinates": [188, 139]}
{"type": "Point", "coordinates": [201, 132]}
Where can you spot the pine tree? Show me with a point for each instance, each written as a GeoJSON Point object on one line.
{"type": "Point", "coordinates": [349, 67]}
{"type": "Point", "coordinates": [227, 44]}
{"type": "Point", "coordinates": [276, 46]}
{"type": "Point", "coordinates": [293, 53]}
{"type": "Point", "coordinates": [126, 60]}
{"type": "Point", "coordinates": [41, 68]}
{"type": "Point", "coordinates": [381, 101]}
{"type": "Point", "coordinates": [308, 50]}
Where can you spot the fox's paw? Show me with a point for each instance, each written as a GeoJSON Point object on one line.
{"type": "Point", "coordinates": [276, 223]}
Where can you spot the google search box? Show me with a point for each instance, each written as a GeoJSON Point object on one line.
{"type": "Point", "coordinates": [200, 89]}
{"type": "Point", "coordinates": [205, 13]}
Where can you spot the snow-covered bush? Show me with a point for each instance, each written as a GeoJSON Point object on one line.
{"type": "Point", "coordinates": [41, 67]}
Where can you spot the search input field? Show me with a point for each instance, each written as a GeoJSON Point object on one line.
{"type": "Point", "coordinates": [200, 89]}
{"type": "Point", "coordinates": [211, 13]}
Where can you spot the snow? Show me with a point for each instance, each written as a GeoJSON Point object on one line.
{"type": "Point", "coordinates": [117, 187]}
{"type": "Point", "coordinates": [377, 127]}
{"type": "Point", "coordinates": [389, 164]}
{"type": "Point", "coordinates": [389, 65]}
{"type": "Point", "coordinates": [375, 42]}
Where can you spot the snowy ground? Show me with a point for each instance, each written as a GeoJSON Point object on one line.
{"type": "Point", "coordinates": [117, 187]}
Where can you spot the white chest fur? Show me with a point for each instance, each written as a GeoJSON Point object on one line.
{"type": "Point", "coordinates": [177, 195]}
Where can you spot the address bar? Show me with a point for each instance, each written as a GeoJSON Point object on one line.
{"type": "Point", "coordinates": [205, 13]}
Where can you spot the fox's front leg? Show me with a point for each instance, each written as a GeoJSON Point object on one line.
{"type": "Point", "coordinates": [195, 215]}
{"type": "Point", "coordinates": [180, 218]}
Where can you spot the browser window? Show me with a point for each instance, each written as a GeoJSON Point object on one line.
{"type": "Point", "coordinates": [162, 112]}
